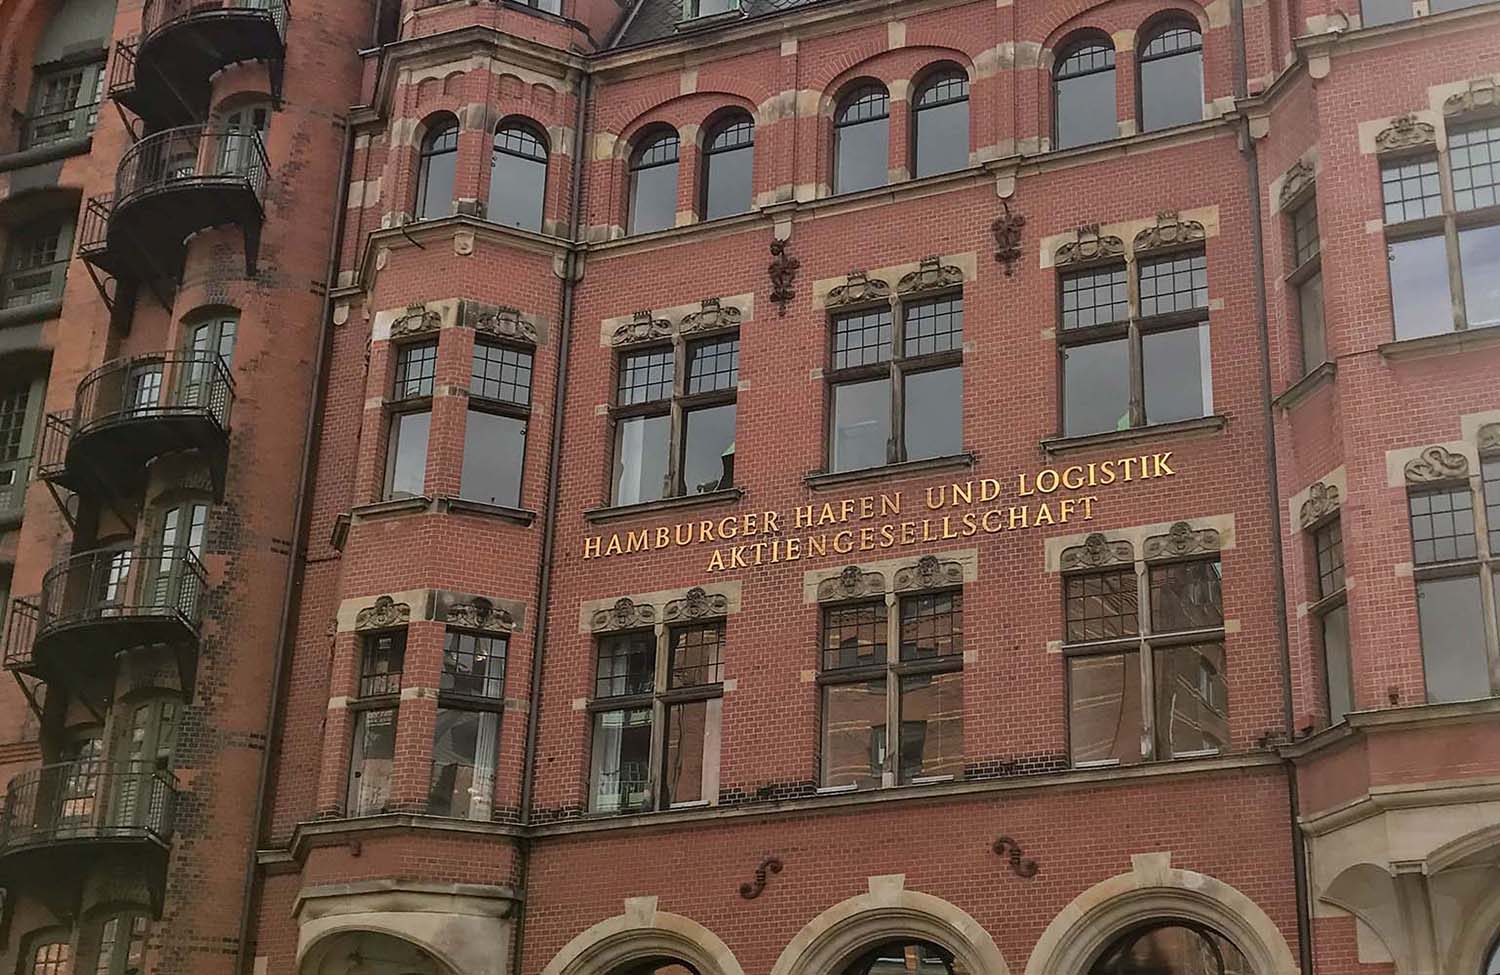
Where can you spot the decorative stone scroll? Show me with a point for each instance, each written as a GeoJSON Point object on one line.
{"type": "Point", "coordinates": [1007, 230]}
{"type": "Point", "coordinates": [1405, 132]}
{"type": "Point", "coordinates": [783, 272]}
{"type": "Point", "coordinates": [712, 316]}
{"type": "Point", "coordinates": [859, 288]}
{"type": "Point", "coordinates": [1297, 179]}
{"type": "Point", "coordinates": [852, 583]}
{"type": "Point", "coordinates": [1436, 464]}
{"type": "Point", "coordinates": [641, 328]}
{"type": "Point", "coordinates": [384, 614]}
{"type": "Point", "coordinates": [1015, 858]}
{"type": "Point", "coordinates": [1169, 231]}
{"type": "Point", "coordinates": [1096, 552]}
{"type": "Point", "coordinates": [1180, 540]}
{"type": "Point", "coordinates": [480, 614]}
{"type": "Point", "coordinates": [623, 615]}
{"type": "Point", "coordinates": [930, 572]}
{"type": "Point", "coordinates": [752, 889]}
{"type": "Point", "coordinates": [1489, 438]}
{"type": "Point", "coordinates": [1089, 245]}
{"type": "Point", "coordinates": [698, 604]}
{"type": "Point", "coordinates": [505, 323]}
{"type": "Point", "coordinates": [1481, 95]}
{"type": "Point", "coordinates": [931, 274]}
{"type": "Point", "coordinates": [418, 320]}
{"type": "Point", "coordinates": [1322, 501]}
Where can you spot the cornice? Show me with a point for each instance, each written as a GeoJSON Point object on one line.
{"type": "Point", "coordinates": [1334, 42]}
{"type": "Point", "coordinates": [1417, 795]}
{"type": "Point", "coordinates": [421, 234]}
{"type": "Point", "coordinates": [1360, 724]}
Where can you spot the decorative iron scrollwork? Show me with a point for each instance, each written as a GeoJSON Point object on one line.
{"type": "Point", "coordinates": [1436, 464]}
{"type": "Point", "coordinates": [1007, 230]}
{"type": "Point", "coordinates": [1015, 858]}
{"type": "Point", "coordinates": [858, 288]}
{"type": "Point", "coordinates": [417, 320]}
{"type": "Point", "coordinates": [931, 274]}
{"type": "Point", "coordinates": [696, 605]}
{"type": "Point", "coordinates": [1297, 179]}
{"type": "Point", "coordinates": [752, 889]}
{"type": "Point", "coordinates": [1088, 244]}
{"type": "Point", "coordinates": [929, 573]}
{"type": "Point", "coordinates": [783, 272]}
{"type": "Point", "coordinates": [623, 615]}
{"type": "Point", "coordinates": [1405, 132]}
{"type": "Point", "coordinates": [1096, 552]}
{"type": "Point", "coordinates": [1169, 231]}
{"type": "Point", "coordinates": [641, 328]}
{"type": "Point", "coordinates": [1322, 501]}
{"type": "Point", "coordinates": [480, 614]}
{"type": "Point", "coordinates": [712, 315]}
{"type": "Point", "coordinates": [386, 612]}
{"type": "Point", "coordinates": [1182, 540]}
{"type": "Point", "coordinates": [1482, 94]}
{"type": "Point", "coordinates": [852, 583]}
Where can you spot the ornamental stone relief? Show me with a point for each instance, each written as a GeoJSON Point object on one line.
{"type": "Point", "coordinates": [1297, 179]}
{"type": "Point", "coordinates": [623, 615]}
{"type": "Point", "coordinates": [712, 316]}
{"type": "Point", "coordinates": [418, 320]}
{"type": "Point", "coordinates": [1089, 245]}
{"type": "Point", "coordinates": [1436, 464]}
{"type": "Point", "coordinates": [505, 323]}
{"type": "Point", "coordinates": [851, 583]}
{"type": "Point", "coordinates": [1489, 438]}
{"type": "Point", "coordinates": [1181, 540]}
{"type": "Point", "coordinates": [385, 613]}
{"type": "Point", "coordinates": [930, 572]}
{"type": "Point", "coordinates": [783, 273]}
{"type": "Point", "coordinates": [1405, 132]}
{"type": "Point", "coordinates": [1169, 231]}
{"type": "Point", "coordinates": [480, 614]}
{"type": "Point", "coordinates": [1481, 95]}
{"type": "Point", "coordinates": [1322, 501]}
{"type": "Point", "coordinates": [931, 274]}
{"type": "Point", "coordinates": [1097, 552]}
{"type": "Point", "coordinates": [642, 328]}
{"type": "Point", "coordinates": [859, 288]}
{"type": "Point", "coordinates": [698, 604]}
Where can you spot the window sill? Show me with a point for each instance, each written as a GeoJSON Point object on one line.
{"type": "Point", "coordinates": [1204, 424]}
{"type": "Point", "coordinates": [420, 504]}
{"type": "Point", "coordinates": [1444, 344]}
{"type": "Point", "coordinates": [26, 314]}
{"type": "Point", "coordinates": [617, 512]}
{"type": "Point", "coordinates": [1306, 386]}
{"type": "Point", "coordinates": [519, 516]}
{"type": "Point", "coordinates": [35, 156]}
{"type": "Point", "coordinates": [822, 480]}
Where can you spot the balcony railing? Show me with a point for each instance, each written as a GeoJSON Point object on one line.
{"type": "Point", "coordinates": [147, 387]}
{"type": "Point", "coordinates": [20, 633]}
{"type": "Point", "coordinates": [158, 15]}
{"type": "Point", "coordinates": [191, 153]}
{"type": "Point", "coordinates": [47, 128]}
{"type": "Point", "coordinates": [85, 801]}
{"type": "Point", "coordinates": [164, 582]}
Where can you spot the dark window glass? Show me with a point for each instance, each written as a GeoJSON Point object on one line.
{"type": "Point", "coordinates": [729, 156]}
{"type": "Point", "coordinates": [854, 635]}
{"type": "Point", "coordinates": [1328, 542]}
{"type": "Point", "coordinates": [474, 664]}
{"type": "Point", "coordinates": [933, 421]}
{"type": "Point", "coordinates": [932, 626]}
{"type": "Point", "coordinates": [645, 377]}
{"type": "Point", "coordinates": [1420, 300]}
{"type": "Point", "coordinates": [1490, 469]}
{"type": "Point", "coordinates": [861, 140]}
{"type": "Point", "coordinates": [1479, 257]}
{"type": "Point", "coordinates": [932, 725]}
{"type": "Point", "coordinates": [653, 184]}
{"type": "Point", "coordinates": [408, 454]}
{"type": "Point", "coordinates": [1186, 596]}
{"type": "Point", "coordinates": [642, 447]}
{"type": "Point", "coordinates": [494, 454]}
{"type": "Point", "coordinates": [1101, 606]}
{"type": "Point", "coordinates": [1474, 160]}
{"type": "Point", "coordinates": [1310, 319]}
{"type": "Point", "coordinates": [1175, 283]}
{"type": "Point", "coordinates": [1336, 663]}
{"type": "Point", "coordinates": [861, 424]}
{"type": "Point", "coordinates": [621, 760]}
{"type": "Point", "coordinates": [1192, 699]}
{"type": "Point", "coordinates": [416, 367]}
{"type": "Point", "coordinates": [1410, 189]}
{"type": "Point", "coordinates": [1171, 66]}
{"type": "Point", "coordinates": [1373, 12]}
{"type": "Point", "coordinates": [854, 733]}
{"type": "Point", "coordinates": [708, 449]}
{"type": "Point", "coordinates": [436, 169]}
{"type": "Point", "coordinates": [932, 326]}
{"type": "Point", "coordinates": [381, 661]}
{"type": "Point", "coordinates": [626, 665]}
{"type": "Point", "coordinates": [942, 124]}
{"type": "Point", "coordinates": [501, 373]}
{"type": "Point", "coordinates": [1083, 96]}
{"type": "Point", "coordinates": [64, 104]}
{"type": "Point", "coordinates": [1452, 624]}
{"type": "Point", "coordinates": [36, 263]}
{"type": "Point", "coordinates": [370, 764]}
{"type": "Point", "coordinates": [1178, 376]}
{"type": "Point", "coordinates": [1096, 387]}
{"type": "Point", "coordinates": [518, 178]}
{"type": "Point", "coordinates": [1105, 722]}
{"type": "Point", "coordinates": [463, 763]}
{"type": "Point", "coordinates": [1095, 297]}
{"type": "Point", "coordinates": [1442, 525]}
{"type": "Point", "coordinates": [697, 656]}
{"type": "Point", "coordinates": [685, 755]}
{"type": "Point", "coordinates": [862, 339]}
{"type": "Point", "coordinates": [1305, 240]}
{"type": "Point", "coordinates": [1171, 949]}
{"type": "Point", "coordinates": [1443, 6]}
{"type": "Point", "coordinates": [911, 957]}
{"type": "Point", "coordinates": [713, 364]}
{"type": "Point", "coordinates": [707, 8]}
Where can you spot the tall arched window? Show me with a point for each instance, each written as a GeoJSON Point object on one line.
{"type": "Point", "coordinates": [122, 945]}
{"type": "Point", "coordinates": [940, 126]}
{"type": "Point", "coordinates": [1083, 94]}
{"type": "Point", "coordinates": [436, 169]}
{"type": "Point", "coordinates": [1171, 948]}
{"type": "Point", "coordinates": [728, 154]}
{"type": "Point", "coordinates": [53, 957]}
{"type": "Point", "coordinates": [905, 956]}
{"type": "Point", "coordinates": [659, 965]}
{"type": "Point", "coordinates": [518, 176]}
{"type": "Point", "coordinates": [862, 139]}
{"type": "Point", "coordinates": [1171, 78]}
{"type": "Point", "coordinates": [237, 151]}
{"type": "Point", "coordinates": [653, 182]}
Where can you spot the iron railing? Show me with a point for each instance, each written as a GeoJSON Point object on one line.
{"type": "Point", "coordinates": [20, 632]}
{"type": "Point", "coordinates": [147, 387]}
{"type": "Point", "coordinates": [121, 75]}
{"type": "Point", "coordinates": [115, 584]}
{"type": "Point", "coordinates": [88, 799]}
{"type": "Point", "coordinates": [93, 225]}
{"type": "Point", "coordinates": [192, 154]}
{"type": "Point", "coordinates": [158, 14]}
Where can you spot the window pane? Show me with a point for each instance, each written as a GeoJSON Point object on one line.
{"type": "Point", "coordinates": [494, 450]}
{"type": "Point", "coordinates": [1186, 596]}
{"type": "Point", "coordinates": [641, 452]}
{"type": "Point", "coordinates": [1329, 544]}
{"type": "Point", "coordinates": [932, 725]}
{"type": "Point", "coordinates": [708, 449]}
{"type": "Point", "coordinates": [932, 626]}
{"type": "Point", "coordinates": [1172, 90]}
{"type": "Point", "coordinates": [1104, 708]}
{"type": "Point", "coordinates": [518, 179]}
{"type": "Point", "coordinates": [1474, 160]}
{"type": "Point", "coordinates": [729, 185]}
{"type": "Point", "coordinates": [854, 635]}
{"type": "Point", "coordinates": [1491, 471]}
{"type": "Point", "coordinates": [437, 168]}
{"type": "Point", "coordinates": [1310, 317]}
{"type": "Point", "coordinates": [1479, 257]}
{"type": "Point", "coordinates": [942, 136]}
{"type": "Point", "coordinates": [692, 742]}
{"type": "Point", "coordinates": [860, 153]}
{"type": "Point", "coordinates": [1176, 283]}
{"type": "Point", "coordinates": [934, 326]}
{"type": "Point", "coordinates": [1101, 606]}
{"type": "Point", "coordinates": [861, 424]}
{"type": "Point", "coordinates": [1442, 525]}
{"type": "Point", "coordinates": [416, 367]}
{"type": "Point", "coordinates": [409, 454]}
{"type": "Point", "coordinates": [52, 958]}
{"type": "Point", "coordinates": [713, 364]}
{"type": "Point", "coordinates": [646, 377]}
{"type": "Point", "coordinates": [626, 665]}
{"type": "Point", "coordinates": [1095, 297]}
{"type": "Point", "coordinates": [1179, 378]}
{"type": "Point", "coordinates": [862, 339]}
{"type": "Point", "coordinates": [1305, 241]}
{"type": "Point", "coordinates": [1374, 12]}
{"type": "Point", "coordinates": [1192, 699]}
{"type": "Point", "coordinates": [474, 665]}
{"type": "Point", "coordinates": [382, 660]}
{"type": "Point", "coordinates": [1169, 948]}
{"type": "Point", "coordinates": [1337, 664]}
{"type": "Point", "coordinates": [370, 768]}
{"type": "Point", "coordinates": [934, 413]}
{"type": "Point", "coordinates": [653, 197]}
{"type": "Point", "coordinates": [1096, 387]}
{"type": "Point", "coordinates": [1410, 189]}
{"type": "Point", "coordinates": [502, 373]}
{"type": "Point", "coordinates": [1084, 104]}
{"type": "Point", "coordinates": [697, 656]}
{"type": "Point", "coordinates": [854, 733]}
{"type": "Point", "coordinates": [621, 760]}
{"type": "Point", "coordinates": [1420, 300]}
{"type": "Point", "coordinates": [1453, 654]}
{"type": "Point", "coordinates": [463, 763]}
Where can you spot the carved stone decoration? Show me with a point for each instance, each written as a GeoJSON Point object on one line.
{"type": "Point", "coordinates": [385, 613]}
{"type": "Point", "coordinates": [641, 328]}
{"type": "Point", "coordinates": [1405, 132]}
{"type": "Point", "coordinates": [754, 888]}
{"type": "Point", "coordinates": [1095, 552]}
{"type": "Point", "coordinates": [929, 573]}
{"type": "Point", "coordinates": [858, 288]}
{"type": "Point", "coordinates": [1436, 464]}
{"type": "Point", "coordinates": [1482, 94]}
{"type": "Point", "coordinates": [623, 615]}
{"type": "Point", "coordinates": [1489, 438]}
{"type": "Point", "coordinates": [1322, 500]}
{"type": "Point", "coordinates": [506, 323]}
{"type": "Point", "coordinates": [783, 271]}
{"type": "Point", "coordinates": [1170, 230]}
{"type": "Point", "coordinates": [931, 273]}
{"type": "Point", "coordinates": [852, 583]}
{"type": "Point", "coordinates": [1007, 230]}
{"type": "Point", "coordinates": [698, 604]}
{"type": "Point", "coordinates": [480, 614]}
{"type": "Point", "coordinates": [1089, 245]}
{"type": "Point", "coordinates": [1182, 540]}
{"type": "Point", "coordinates": [416, 321]}
{"type": "Point", "coordinates": [713, 315]}
{"type": "Point", "coordinates": [1015, 858]}
{"type": "Point", "coordinates": [1297, 179]}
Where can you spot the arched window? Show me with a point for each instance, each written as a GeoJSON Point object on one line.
{"type": "Point", "coordinates": [1171, 948]}
{"type": "Point", "coordinates": [436, 169]}
{"type": "Point", "coordinates": [51, 957]}
{"type": "Point", "coordinates": [237, 150]}
{"type": "Point", "coordinates": [904, 956]}
{"type": "Point", "coordinates": [728, 155]}
{"type": "Point", "coordinates": [862, 139]}
{"type": "Point", "coordinates": [1171, 76]}
{"type": "Point", "coordinates": [1083, 94]}
{"type": "Point", "coordinates": [518, 177]}
{"type": "Point", "coordinates": [653, 183]}
{"type": "Point", "coordinates": [122, 945]}
{"type": "Point", "coordinates": [656, 966]}
{"type": "Point", "coordinates": [940, 127]}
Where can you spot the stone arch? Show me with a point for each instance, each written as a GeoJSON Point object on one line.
{"type": "Point", "coordinates": [643, 932]}
{"type": "Point", "coordinates": [1478, 936]}
{"type": "Point", "coordinates": [888, 911]}
{"type": "Point", "coordinates": [1153, 890]}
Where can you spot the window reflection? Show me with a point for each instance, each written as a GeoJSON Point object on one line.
{"type": "Point", "coordinates": [653, 183]}
{"type": "Point", "coordinates": [1171, 948]}
{"type": "Point", "coordinates": [518, 177]}
{"type": "Point", "coordinates": [1171, 77]}
{"type": "Point", "coordinates": [436, 169]}
{"type": "Point", "coordinates": [728, 156]}
{"type": "Point", "coordinates": [1083, 95]}
{"type": "Point", "coordinates": [903, 957]}
{"type": "Point", "coordinates": [861, 140]}
{"type": "Point", "coordinates": [941, 123]}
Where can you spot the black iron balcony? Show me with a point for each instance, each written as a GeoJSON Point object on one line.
{"type": "Point", "coordinates": [62, 821]}
{"type": "Point", "coordinates": [169, 186]}
{"type": "Point", "coordinates": [164, 74]}
{"type": "Point", "coordinates": [129, 412]}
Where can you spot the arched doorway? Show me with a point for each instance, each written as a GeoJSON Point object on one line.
{"type": "Point", "coordinates": [371, 953]}
{"type": "Point", "coordinates": [1171, 948]}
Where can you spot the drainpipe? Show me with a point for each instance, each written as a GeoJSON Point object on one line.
{"type": "Point", "coordinates": [1273, 487]}
{"type": "Point", "coordinates": [300, 516]}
